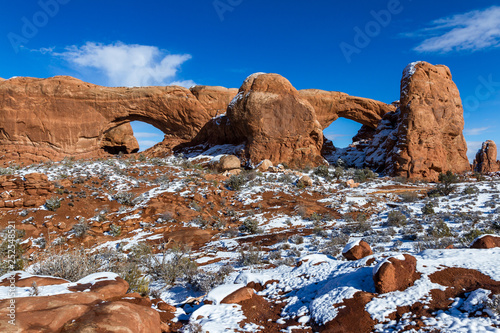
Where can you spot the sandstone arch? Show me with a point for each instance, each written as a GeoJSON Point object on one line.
{"type": "Point", "coordinates": [331, 105]}
{"type": "Point", "coordinates": [62, 116]}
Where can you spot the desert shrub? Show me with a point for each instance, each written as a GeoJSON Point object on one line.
{"type": "Point", "coordinates": [53, 204]}
{"type": "Point", "coordinates": [447, 181]}
{"type": "Point", "coordinates": [296, 239]}
{"type": "Point", "coordinates": [360, 225]}
{"type": "Point", "coordinates": [80, 229]}
{"type": "Point", "coordinates": [335, 244]}
{"type": "Point", "coordinates": [131, 273]}
{"type": "Point", "coordinates": [322, 171]}
{"type": "Point", "coordinates": [10, 242]}
{"type": "Point", "coordinates": [320, 231]}
{"type": "Point", "coordinates": [206, 281]}
{"type": "Point", "coordinates": [250, 226]}
{"type": "Point", "coordinates": [193, 327]}
{"type": "Point", "coordinates": [174, 265]}
{"type": "Point", "coordinates": [470, 190]}
{"type": "Point", "coordinates": [468, 237]}
{"type": "Point", "coordinates": [440, 229]}
{"type": "Point", "coordinates": [440, 243]}
{"type": "Point", "coordinates": [236, 182]}
{"type": "Point", "coordinates": [124, 198]}
{"type": "Point", "coordinates": [396, 219]}
{"type": "Point", "coordinates": [364, 175]}
{"type": "Point", "coordinates": [115, 230]}
{"type": "Point", "coordinates": [70, 265]}
{"type": "Point", "coordinates": [409, 196]}
{"type": "Point", "coordinates": [494, 304]}
{"type": "Point", "coordinates": [275, 255]}
{"type": "Point", "coordinates": [250, 255]}
{"type": "Point", "coordinates": [428, 208]}
{"type": "Point", "coordinates": [6, 171]}
{"type": "Point", "coordinates": [338, 173]}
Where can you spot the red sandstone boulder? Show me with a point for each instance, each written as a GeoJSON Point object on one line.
{"type": "Point", "coordinates": [357, 250]}
{"type": "Point", "coordinates": [239, 296]}
{"type": "Point", "coordinates": [486, 158]}
{"type": "Point", "coordinates": [395, 273]}
{"type": "Point", "coordinates": [226, 162]}
{"type": "Point", "coordinates": [116, 317]}
{"type": "Point", "coordinates": [486, 242]}
{"type": "Point", "coordinates": [305, 181]}
{"type": "Point", "coordinates": [275, 122]}
{"type": "Point", "coordinates": [120, 139]}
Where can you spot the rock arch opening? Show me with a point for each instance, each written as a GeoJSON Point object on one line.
{"type": "Point", "coordinates": [131, 137]}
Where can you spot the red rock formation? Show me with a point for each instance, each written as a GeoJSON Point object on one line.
{"type": "Point", "coordinates": [105, 308]}
{"type": "Point", "coordinates": [330, 105]}
{"type": "Point", "coordinates": [275, 122]}
{"type": "Point", "coordinates": [214, 99]}
{"type": "Point", "coordinates": [120, 139]}
{"type": "Point", "coordinates": [395, 274]}
{"type": "Point", "coordinates": [30, 191]}
{"type": "Point", "coordinates": [430, 125]}
{"type": "Point", "coordinates": [486, 158]}
{"type": "Point", "coordinates": [61, 116]}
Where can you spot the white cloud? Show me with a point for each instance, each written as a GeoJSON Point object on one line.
{"type": "Point", "coordinates": [142, 135]}
{"type": "Point", "coordinates": [474, 30]}
{"type": "Point", "coordinates": [128, 65]}
{"type": "Point", "coordinates": [476, 131]}
{"type": "Point", "coordinates": [472, 148]}
{"type": "Point", "coordinates": [334, 137]}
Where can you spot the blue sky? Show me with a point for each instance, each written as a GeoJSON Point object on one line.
{"type": "Point", "coordinates": [313, 44]}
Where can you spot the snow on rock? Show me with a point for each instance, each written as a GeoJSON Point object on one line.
{"type": "Point", "coordinates": [246, 277]}
{"type": "Point", "coordinates": [350, 245]}
{"type": "Point", "coordinates": [218, 318]}
{"type": "Point", "coordinates": [218, 294]}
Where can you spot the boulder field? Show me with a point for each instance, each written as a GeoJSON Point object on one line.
{"type": "Point", "coordinates": [267, 118]}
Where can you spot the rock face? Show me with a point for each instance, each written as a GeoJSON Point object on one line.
{"type": "Point", "coordinates": [423, 136]}
{"type": "Point", "coordinates": [30, 191]}
{"type": "Point", "coordinates": [395, 274]}
{"type": "Point", "coordinates": [429, 134]}
{"type": "Point", "coordinates": [214, 99]}
{"type": "Point", "coordinates": [269, 115]}
{"type": "Point", "coordinates": [120, 139]}
{"type": "Point", "coordinates": [53, 118]}
{"type": "Point", "coordinates": [486, 158]}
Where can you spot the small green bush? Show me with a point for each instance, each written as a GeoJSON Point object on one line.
{"type": "Point", "coordinates": [250, 226]}
{"type": "Point", "coordinates": [250, 255]}
{"type": "Point", "coordinates": [53, 204]}
{"type": "Point", "coordinates": [125, 198]}
{"type": "Point", "coordinates": [364, 175]}
{"type": "Point", "coordinates": [428, 209]}
{"type": "Point", "coordinates": [396, 219]}
{"type": "Point", "coordinates": [440, 229]}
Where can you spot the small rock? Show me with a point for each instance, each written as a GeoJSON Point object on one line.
{"type": "Point", "coordinates": [486, 242]}
{"type": "Point", "coordinates": [395, 273]}
{"type": "Point", "coordinates": [227, 162]}
{"type": "Point", "coordinates": [352, 184]}
{"type": "Point", "coordinates": [358, 251]}
{"type": "Point", "coordinates": [304, 181]}
{"type": "Point", "coordinates": [239, 296]}
{"type": "Point", "coordinates": [264, 165]}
